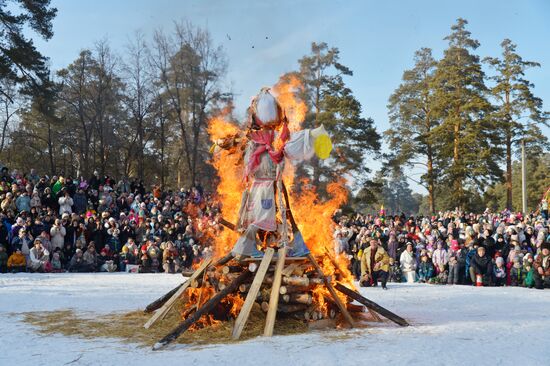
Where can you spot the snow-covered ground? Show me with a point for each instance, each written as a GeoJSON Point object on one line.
{"type": "Point", "coordinates": [451, 325]}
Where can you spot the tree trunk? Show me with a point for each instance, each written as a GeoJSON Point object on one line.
{"type": "Point", "coordinates": [458, 175]}
{"type": "Point", "coordinates": [508, 170]}
{"type": "Point", "coordinates": [431, 184]}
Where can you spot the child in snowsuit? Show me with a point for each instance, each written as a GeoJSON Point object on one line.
{"type": "Point", "coordinates": [500, 272]}
{"type": "Point", "coordinates": [425, 269]}
{"type": "Point", "coordinates": [517, 274]}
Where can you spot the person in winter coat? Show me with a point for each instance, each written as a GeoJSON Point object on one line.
{"type": "Point", "coordinates": [374, 265]}
{"type": "Point", "coordinates": [500, 272]}
{"type": "Point", "coordinates": [80, 202]}
{"type": "Point", "coordinates": [144, 260]}
{"type": "Point", "coordinates": [35, 200]}
{"type": "Point", "coordinates": [3, 260]}
{"type": "Point", "coordinates": [57, 234]}
{"type": "Point", "coordinates": [425, 268]}
{"type": "Point", "coordinates": [77, 263]}
{"type": "Point", "coordinates": [454, 267]}
{"type": "Point", "coordinates": [22, 241]}
{"type": "Point", "coordinates": [516, 273]}
{"type": "Point", "coordinates": [481, 265]}
{"type": "Point", "coordinates": [107, 260]}
{"type": "Point", "coordinates": [17, 262]}
{"type": "Point", "coordinates": [23, 202]}
{"type": "Point", "coordinates": [407, 262]}
{"type": "Point", "coordinates": [541, 266]}
{"type": "Point", "coordinates": [90, 258]}
{"type": "Point", "coordinates": [39, 258]}
{"type": "Point", "coordinates": [169, 259]}
{"type": "Point", "coordinates": [440, 258]}
{"type": "Point", "coordinates": [65, 203]}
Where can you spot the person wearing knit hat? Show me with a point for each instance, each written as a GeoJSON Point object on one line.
{"type": "Point", "coordinates": [500, 272]}
{"type": "Point", "coordinates": [541, 266]}
{"type": "Point", "coordinates": [481, 265]}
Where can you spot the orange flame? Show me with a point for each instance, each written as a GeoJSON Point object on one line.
{"type": "Point", "coordinates": [313, 215]}
{"type": "Point", "coordinates": [286, 90]}
{"type": "Point", "coordinates": [229, 168]}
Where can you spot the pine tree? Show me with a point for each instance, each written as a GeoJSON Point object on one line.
{"type": "Point", "coordinates": [412, 120]}
{"type": "Point", "coordinates": [513, 100]}
{"type": "Point", "coordinates": [332, 103]}
{"type": "Point", "coordinates": [465, 130]}
{"type": "Point", "coordinates": [20, 61]}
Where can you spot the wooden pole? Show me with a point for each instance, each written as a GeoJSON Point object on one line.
{"type": "Point", "coordinates": [372, 305]}
{"type": "Point", "coordinates": [161, 300]}
{"type": "Point", "coordinates": [274, 298]}
{"type": "Point", "coordinates": [333, 293]}
{"type": "Point", "coordinates": [205, 309]}
{"type": "Point", "coordinates": [252, 294]}
{"type": "Point", "coordinates": [168, 305]}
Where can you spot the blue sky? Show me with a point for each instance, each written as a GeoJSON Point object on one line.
{"type": "Point", "coordinates": [377, 39]}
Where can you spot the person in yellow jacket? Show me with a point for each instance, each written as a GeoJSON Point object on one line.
{"type": "Point", "coordinates": [375, 265]}
{"type": "Point", "coordinates": [17, 262]}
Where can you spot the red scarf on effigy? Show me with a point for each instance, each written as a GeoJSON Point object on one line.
{"type": "Point", "coordinates": [264, 140]}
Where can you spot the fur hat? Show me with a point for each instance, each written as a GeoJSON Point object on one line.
{"type": "Point", "coordinates": [545, 245]}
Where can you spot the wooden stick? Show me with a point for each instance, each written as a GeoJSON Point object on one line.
{"type": "Point", "coordinates": [223, 260]}
{"type": "Point", "coordinates": [299, 298]}
{"type": "Point", "coordinates": [205, 309]}
{"type": "Point", "coordinates": [372, 305]}
{"type": "Point", "coordinates": [168, 305]}
{"type": "Point", "coordinates": [333, 293]}
{"type": "Point", "coordinates": [289, 269]}
{"type": "Point", "coordinates": [252, 294]}
{"type": "Point", "coordinates": [161, 300]}
{"type": "Point", "coordinates": [274, 298]}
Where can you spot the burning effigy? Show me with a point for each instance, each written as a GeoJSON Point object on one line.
{"type": "Point", "coordinates": [276, 251]}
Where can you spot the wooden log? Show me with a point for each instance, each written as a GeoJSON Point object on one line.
{"type": "Point", "coordinates": [223, 260]}
{"type": "Point", "coordinates": [291, 281]}
{"type": "Point", "coordinates": [289, 269]}
{"type": "Point", "coordinates": [291, 308]}
{"type": "Point", "coordinates": [289, 289]}
{"type": "Point", "coordinates": [333, 293]}
{"type": "Point", "coordinates": [205, 309]}
{"type": "Point", "coordinates": [242, 318]}
{"type": "Point", "coordinates": [244, 287]}
{"type": "Point", "coordinates": [300, 271]}
{"type": "Point", "coordinates": [355, 308]}
{"type": "Point", "coordinates": [227, 224]}
{"type": "Point", "coordinates": [196, 283]}
{"type": "Point", "coordinates": [253, 266]}
{"type": "Point", "coordinates": [161, 300]}
{"type": "Point", "coordinates": [162, 311]}
{"type": "Point", "coordinates": [231, 269]}
{"type": "Point", "coordinates": [274, 298]}
{"type": "Point", "coordinates": [299, 298]}
{"type": "Point", "coordinates": [287, 259]}
{"type": "Point", "coordinates": [187, 273]}
{"type": "Point", "coordinates": [372, 305]}
{"type": "Point", "coordinates": [319, 281]}
{"type": "Point", "coordinates": [265, 306]}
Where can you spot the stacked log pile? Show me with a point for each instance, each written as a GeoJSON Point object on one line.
{"type": "Point", "coordinates": [283, 287]}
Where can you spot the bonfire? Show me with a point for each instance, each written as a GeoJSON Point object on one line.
{"type": "Point", "coordinates": [276, 250]}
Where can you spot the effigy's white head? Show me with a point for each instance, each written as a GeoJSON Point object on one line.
{"type": "Point", "coordinates": [266, 111]}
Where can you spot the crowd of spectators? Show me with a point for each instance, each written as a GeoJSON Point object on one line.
{"type": "Point", "coordinates": [488, 249]}
{"type": "Point", "coordinates": [62, 224]}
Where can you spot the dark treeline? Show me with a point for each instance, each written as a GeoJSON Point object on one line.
{"type": "Point", "coordinates": [142, 112]}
